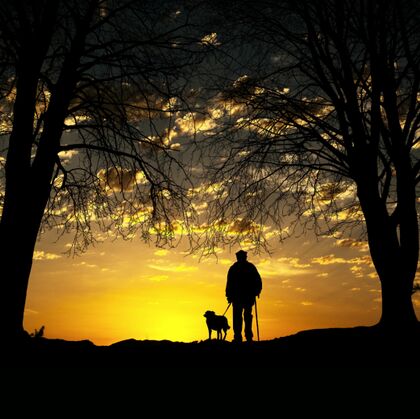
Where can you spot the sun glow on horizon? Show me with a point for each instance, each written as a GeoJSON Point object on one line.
{"type": "Point", "coordinates": [121, 290]}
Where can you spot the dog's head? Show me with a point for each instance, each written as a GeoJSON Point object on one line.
{"type": "Point", "coordinates": [208, 314]}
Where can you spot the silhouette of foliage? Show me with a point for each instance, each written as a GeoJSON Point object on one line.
{"type": "Point", "coordinates": [88, 90]}
{"type": "Point", "coordinates": [38, 333]}
{"type": "Point", "coordinates": [318, 128]}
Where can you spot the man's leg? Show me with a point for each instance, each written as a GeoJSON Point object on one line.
{"type": "Point", "coordinates": [248, 322]}
{"type": "Point", "coordinates": [237, 321]}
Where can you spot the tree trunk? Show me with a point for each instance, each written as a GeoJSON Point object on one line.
{"type": "Point", "coordinates": [18, 235]}
{"type": "Point", "coordinates": [398, 279]}
{"type": "Point", "coordinates": [16, 261]}
{"type": "Point", "coordinates": [396, 284]}
{"type": "Point", "coordinates": [393, 263]}
{"type": "Point", "coordinates": [28, 180]}
{"type": "Point", "coordinates": [24, 199]}
{"type": "Point", "coordinates": [397, 306]}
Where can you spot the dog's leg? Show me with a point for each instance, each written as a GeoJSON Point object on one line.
{"type": "Point", "coordinates": [209, 333]}
{"type": "Point", "coordinates": [224, 337]}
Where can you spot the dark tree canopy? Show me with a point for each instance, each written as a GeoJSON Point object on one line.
{"type": "Point", "coordinates": [311, 114]}
{"type": "Point", "coordinates": [88, 90]}
{"type": "Point", "coordinates": [105, 80]}
{"type": "Point", "coordinates": [321, 121]}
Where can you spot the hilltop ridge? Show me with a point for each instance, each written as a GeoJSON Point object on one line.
{"type": "Point", "coordinates": [337, 347]}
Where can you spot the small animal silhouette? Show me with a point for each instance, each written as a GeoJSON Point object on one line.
{"type": "Point", "coordinates": [218, 323]}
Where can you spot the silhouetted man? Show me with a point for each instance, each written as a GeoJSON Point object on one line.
{"type": "Point", "coordinates": [243, 285]}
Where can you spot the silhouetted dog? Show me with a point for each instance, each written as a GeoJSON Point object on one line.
{"type": "Point", "coordinates": [217, 323]}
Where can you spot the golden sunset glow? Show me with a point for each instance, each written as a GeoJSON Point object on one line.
{"type": "Point", "coordinates": [120, 290]}
{"type": "Point", "coordinates": [150, 141]}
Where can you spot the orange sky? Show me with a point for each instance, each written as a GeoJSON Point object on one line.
{"type": "Point", "coordinates": [119, 290]}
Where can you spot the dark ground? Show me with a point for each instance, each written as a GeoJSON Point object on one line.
{"type": "Point", "coordinates": [355, 347]}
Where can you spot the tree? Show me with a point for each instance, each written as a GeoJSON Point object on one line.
{"type": "Point", "coordinates": [87, 89]}
{"type": "Point", "coordinates": [323, 122]}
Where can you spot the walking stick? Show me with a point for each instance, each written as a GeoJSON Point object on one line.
{"type": "Point", "coordinates": [256, 320]}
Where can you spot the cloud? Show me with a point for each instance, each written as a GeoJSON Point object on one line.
{"type": "Point", "coordinates": [225, 105]}
{"type": "Point", "coordinates": [328, 260]}
{"type": "Point", "coordinates": [364, 260]}
{"type": "Point", "coordinates": [117, 179]}
{"type": "Point", "coordinates": [295, 262]}
{"type": "Point", "coordinates": [210, 40]}
{"type": "Point", "coordinates": [171, 267]}
{"type": "Point", "coordinates": [30, 311]}
{"type": "Point", "coordinates": [200, 207]}
{"type": "Point", "coordinates": [348, 242]}
{"type": "Point", "coordinates": [86, 265]}
{"type": "Point", "coordinates": [166, 138]}
{"type": "Point", "coordinates": [357, 270]}
{"type": "Point", "coordinates": [193, 123]}
{"type": "Point", "coordinates": [242, 226]}
{"type": "Point", "coordinates": [176, 146]}
{"type": "Point", "coordinates": [208, 191]}
{"type": "Point", "coordinates": [161, 252]}
{"type": "Point", "coordinates": [306, 303]}
{"type": "Point", "coordinates": [73, 120]}
{"type": "Point", "coordinates": [330, 191]}
{"type": "Point", "coordinates": [158, 278]}
{"type": "Point", "coordinates": [171, 106]}
{"type": "Point", "coordinates": [283, 267]}
{"type": "Point", "coordinates": [66, 156]}
{"type": "Point", "coordinates": [41, 255]}
{"type": "Point", "coordinates": [264, 126]}
{"type": "Point", "coordinates": [332, 260]}
{"type": "Point", "coordinates": [338, 199]}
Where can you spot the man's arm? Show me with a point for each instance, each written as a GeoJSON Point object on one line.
{"type": "Point", "coordinates": [258, 282]}
{"type": "Point", "coordinates": [229, 285]}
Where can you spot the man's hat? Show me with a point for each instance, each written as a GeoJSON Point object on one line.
{"type": "Point", "coordinates": [241, 252]}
